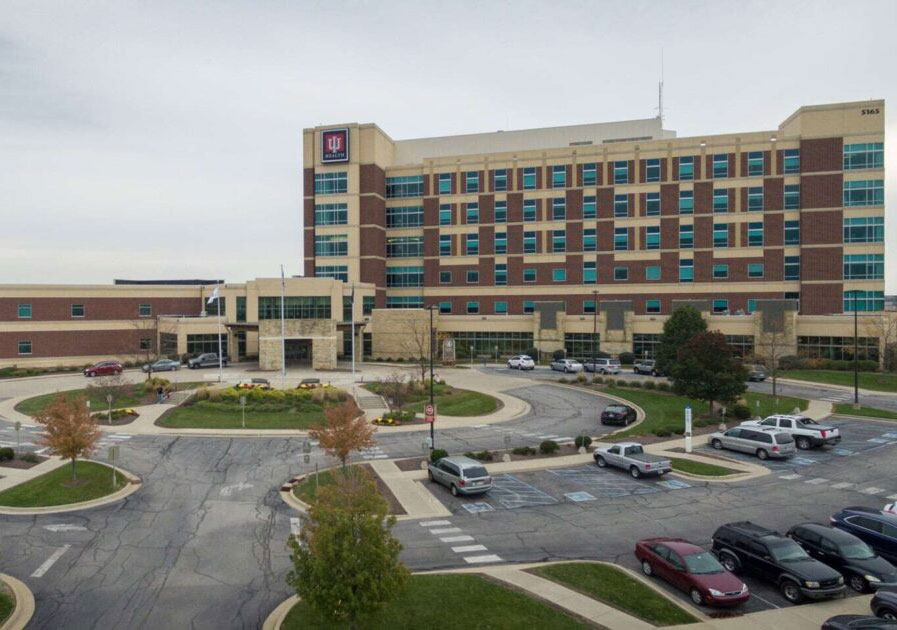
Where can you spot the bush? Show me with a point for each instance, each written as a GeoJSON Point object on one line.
{"type": "Point", "coordinates": [789, 362]}
{"type": "Point", "coordinates": [215, 395]}
{"type": "Point", "coordinates": [663, 386]}
{"type": "Point", "coordinates": [598, 380]}
{"type": "Point", "coordinates": [6, 454]}
{"type": "Point", "coordinates": [741, 411]}
{"type": "Point", "coordinates": [622, 383]}
{"type": "Point", "coordinates": [524, 450]}
{"type": "Point", "coordinates": [649, 385]}
{"type": "Point", "coordinates": [548, 447]}
{"type": "Point", "coordinates": [30, 457]}
{"type": "Point", "coordinates": [627, 358]}
{"type": "Point", "coordinates": [679, 430]}
{"type": "Point", "coordinates": [662, 432]}
{"type": "Point", "coordinates": [582, 440]}
{"type": "Point", "coordinates": [581, 378]}
{"type": "Point", "coordinates": [637, 384]}
{"type": "Point", "coordinates": [557, 355]}
{"type": "Point", "coordinates": [438, 453]}
{"type": "Point", "coordinates": [318, 396]}
{"type": "Point", "coordinates": [483, 456]}
{"type": "Point", "coordinates": [563, 379]}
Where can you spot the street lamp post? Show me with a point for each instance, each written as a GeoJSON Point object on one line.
{"type": "Point", "coordinates": [594, 329]}
{"type": "Point", "coordinates": [856, 375]}
{"type": "Point", "coordinates": [432, 401]}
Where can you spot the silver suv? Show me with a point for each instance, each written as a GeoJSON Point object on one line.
{"type": "Point", "coordinates": [765, 442]}
{"type": "Point", "coordinates": [462, 475]}
{"type": "Point", "coordinates": [604, 366]}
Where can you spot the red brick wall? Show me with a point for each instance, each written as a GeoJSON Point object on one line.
{"type": "Point", "coordinates": [821, 263]}
{"type": "Point", "coordinates": [821, 154]}
{"type": "Point", "coordinates": [60, 309]}
{"type": "Point", "coordinates": [822, 228]}
{"type": "Point", "coordinates": [821, 191]}
{"type": "Point", "coordinates": [822, 299]}
{"type": "Point", "coordinates": [57, 343]}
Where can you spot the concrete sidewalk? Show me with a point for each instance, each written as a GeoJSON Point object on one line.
{"type": "Point", "coordinates": [14, 476]}
{"type": "Point", "coordinates": [840, 388]}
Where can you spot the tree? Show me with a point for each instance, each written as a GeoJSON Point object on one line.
{"type": "Point", "coordinates": [70, 432]}
{"type": "Point", "coordinates": [707, 369]}
{"type": "Point", "coordinates": [146, 329]}
{"type": "Point", "coordinates": [395, 390]}
{"type": "Point", "coordinates": [346, 561]}
{"type": "Point", "coordinates": [883, 326]}
{"type": "Point", "coordinates": [346, 431]}
{"type": "Point", "coordinates": [113, 385]}
{"type": "Point", "coordinates": [684, 323]}
{"type": "Point", "coordinates": [418, 340]}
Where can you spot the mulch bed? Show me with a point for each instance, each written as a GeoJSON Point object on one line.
{"type": "Point", "coordinates": [394, 506]}
{"type": "Point", "coordinates": [413, 463]}
{"type": "Point", "coordinates": [650, 438]}
{"type": "Point", "coordinates": [21, 464]}
{"type": "Point", "coordinates": [116, 421]}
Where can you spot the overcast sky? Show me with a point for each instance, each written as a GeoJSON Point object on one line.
{"type": "Point", "coordinates": [161, 140]}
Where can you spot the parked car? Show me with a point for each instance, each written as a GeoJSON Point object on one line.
{"type": "Point", "coordinates": [855, 560]}
{"type": "Point", "coordinates": [631, 456]}
{"type": "Point", "coordinates": [103, 368]}
{"type": "Point", "coordinates": [522, 362]}
{"type": "Point", "coordinates": [807, 432]}
{"type": "Point", "coordinates": [618, 414]}
{"type": "Point", "coordinates": [566, 365]}
{"type": "Point", "coordinates": [208, 359]}
{"type": "Point", "coordinates": [884, 603]}
{"type": "Point", "coordinates": [254, 383]}
{"type": "Point", "coordinates": [858, 622]}
{"type": "Point", "coordinates": [691, 569]}
{"type": "Point", "coordinates": [646, 366]}
{"type": "Point", "coordinates": [755, 372]}
{"type": "Point", "coordinates": [764, 442]}
{"type": "Point", "coordinates": [876, 528]}
{"type": "Point", "coordinates": [603, 366]}
{"type": "Point", "coordinates": [747, 547]}
{"type": "Point", "coordinates": [462, 475]}
{"type": "Point", "coordinates": [162, 365]}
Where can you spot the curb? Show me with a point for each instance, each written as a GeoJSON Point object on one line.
{"type": "Point", "coordinates": [129, 489]}
{"type": "Point", "coordinates": [286, 493]}
{"type": "Point", "coordinates": [24, 601]}
{"type": "Point", "coordinates": [639, 412]}
{"type": "Point", "coordinates": [277, 616]}
{"type": "Point", "coordinates": [848, 388]}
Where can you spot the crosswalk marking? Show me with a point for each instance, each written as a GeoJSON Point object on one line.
{"type": "Point", "coordinates": [872, 490]}
{"type": "Point", "coordinates": [456, 539]}
{"type": "Point", "coordinates": [791, 476]}
{"type": "Point", "coordinates": [892, 497]}
{"type": "Point", "coordinates": [816, 481]}
{"type": "Point", "coordinates": [469, 548]}
{"type": "Point", "coordinates": [481, 559]}
{"type": "Point", "coordinates": [445, 530]}
{"type": "Point", "coordinates": [434, 523]}
{"type": "Point", "coordinates": [843, 485]}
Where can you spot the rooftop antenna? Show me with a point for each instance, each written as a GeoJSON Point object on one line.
{"type": "Point", "coordinates": [660, 91]}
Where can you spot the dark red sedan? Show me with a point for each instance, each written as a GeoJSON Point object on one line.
{"type": "Point", "coordinates": [691, 569]}
{"type": "Point", "coordinates": [103, 368]}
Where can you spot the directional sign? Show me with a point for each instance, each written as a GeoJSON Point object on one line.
{"type": "Point", "coordinates": [430, 412]}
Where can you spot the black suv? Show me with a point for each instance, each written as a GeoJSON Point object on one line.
{"type": "Point", "coordinates": [748, 547]}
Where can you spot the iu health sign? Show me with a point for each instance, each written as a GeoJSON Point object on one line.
{"type": "Point", "coordinates": [335, 145]}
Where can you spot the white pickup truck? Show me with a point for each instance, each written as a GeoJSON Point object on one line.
{"type": "Point", "coordinates": [631, 456]}
{"type": "Point", "coordinates": [807, 432]}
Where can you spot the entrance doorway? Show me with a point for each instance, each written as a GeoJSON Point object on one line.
{"type": "Point", "coordinates": [298, 351]}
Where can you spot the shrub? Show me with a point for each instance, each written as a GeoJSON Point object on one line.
{"type": "Point", "coordinates": [679, 430]}
{"type": "Point", "coordinates": [318, 396]}
{"type": "Point", "coordinates": [649, 385]}
{"type": "Point", "coordinates": [741, 411]}
{"type": "Point", "coordinates": [622, 383]}
{"type": "Point", "coordinates": [563, 379]}
{"type": "Point", "coordinates": [627, 358]}
{"type": "Point", "coordinates": [524, 450]}
{"type": "Point", "coordinates": [332, 395]}
{"type": "Point", "coordinates": [30, 457]}
{"type": "Point", "coordinates": [598, 380]}
{"type": "Point", "coordinates": [6, 453]}
{"type": "Point", "coordinates": [638, 384]}
{"type": "Point", "coordinates": [663, 386]}
{"type": "Point", "coordinates": [215, 395]}
{"type": "Point", "coordinates": [581, 378]}
{"type": "Point", "coordinates": [789, 362]}
{"type": "Point", "coordinates": [662, 432]}
{"type": "Point", "coordinates": [438, 453]}
{"type": "Point", "coordinates": [548, 447]}
{"type": "Point", "coordinates": [483, 456]}
{"type": "Point", "coordinates": [582, 440]}
{"type": "Point", "coordinates": [559, 354]}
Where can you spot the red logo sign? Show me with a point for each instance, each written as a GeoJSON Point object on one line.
{"type": "Point", "coordinates": [335, 145]}
{"type": "Point", "coordinates": [430, 413]}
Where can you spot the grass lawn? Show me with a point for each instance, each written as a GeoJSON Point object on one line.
{"type": "Point", "coordinates": [848, 410]}
{"type": "Point", "coordinates": [615, 588]}
{"type": "Point", "coordinates": [457, 601]}
{"type": "Point", "coordinates": [449, 401]}
{"type": "Point", "coordinates": [206, 414]}
{"type": "Point", "coordinates": [880, 381]}
{"type": "Point", "coordinates": [6, 607]}
{"type": "Point", "coordinates": [131, 396]}
{"type": "Point", "coordinates": [95, 480]}
{"type": "Point", "coordinates": [700, 468]}
{"type": "Point", "coordinates": [305, 489]}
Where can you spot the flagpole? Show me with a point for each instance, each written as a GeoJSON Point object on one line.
{"type": "Point", "coordinates": [283, 343]}
{"type": "Point", "coordinates": [220, 358]}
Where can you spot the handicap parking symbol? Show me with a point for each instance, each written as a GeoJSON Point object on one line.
{"type": "Point", "coordinates": [890, 436]}
{"type": "Point", "coordinates": [673, 484]}
{"type": "Point", "coordinates": [803, 461]}
{"type": "Point", "coordinates": [841, 452]}
{"type": "Point", "coordinates": [579, 497]}
{"type": "Point", "coordinates": [473, 508]}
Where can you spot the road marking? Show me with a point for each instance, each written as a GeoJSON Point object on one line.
{"type": "Point", "coordinates": [480, 559]}
{"type": "Point", "coordinates": [445, 530]}
{"type": "Point", "coordinates": [877, 440]}
{"type": "Point", "coordinates": [65, 527]}
{"type": "Point", "coordinates": [226, 491]}
{"type": "Point", "coordinates": [817, 481]}
{"type": "Point", "coordinates": [765, 601]}
{"type": "Point", "coordinates": [295, 526]}
{"type": "Point", "coordinates": [873, 490]}
{"type": "Point", "coordinates": [454, 539]}
{"type": "Point", "coordinates": [893, 497]}
{"type": "Point", "coordinates": [791, 476]}
{"type": "Point", "coordinates": [843, 485]}
{"type": "Point", "coordinates": [579, 497]}
{"type": "Point", "coordinates": [49, 562]}
{"type": "Point", "coordinates": [547, 437]}
{"type": "Point", "coordinates": [469, 548]}
{"type": "Point", "coordinates": [434, 523]}
{"type": "Point", "coordinates": [475, 508]}
{"type": "Point", "coordinates": [480, 426]}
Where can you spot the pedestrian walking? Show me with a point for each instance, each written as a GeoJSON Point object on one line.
{"type": "Point", "coordinates": [160, 394]}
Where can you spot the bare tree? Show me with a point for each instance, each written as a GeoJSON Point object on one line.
{"type": "Point", "coordinates": [394, 389]}
{"type": "Point", "coordinates": [70, 432]}
{"type": "Point", "coordinates": [771, 346]}
{"type": "Point", "coordinates": [883, 326]}
{"type": "Point", "coordinates": [113, 385]}
{"type": "Point", "coordinates": [346, 431]}
{"type": "Point", "coordinates": [417, 342]}
{"type": "Point", "coordinates": [147, 330]}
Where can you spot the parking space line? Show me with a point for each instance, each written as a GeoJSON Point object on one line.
{"type": "Point", "coordinates": [791, 476]}
{"type": "Point", "coordinates": [49, 562]}
{"type": "Point", "coordinates": [843, 485]}
{"type": "Point", "coordinates": [434, 523]}
{"type": "Point", "coordinates": [480, 559]}
{"type": "Point", "coordinates": [765, 601]}
{"type": "Point", "coordinates": [456, 539]}
{"type": "Point", "coordinates": [469, 548]}
{"type": "Point", "coordinates": [445, 530]}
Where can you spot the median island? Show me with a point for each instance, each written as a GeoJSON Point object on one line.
{"type": "Point", "coordinates": [57, 487]}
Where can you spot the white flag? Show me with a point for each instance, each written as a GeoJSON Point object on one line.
{"type": "Point", "coordinates": [214, 295]}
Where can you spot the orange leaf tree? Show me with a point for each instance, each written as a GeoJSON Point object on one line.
{"type": "Point", "coordinates": [69, 431]}
{"type": "Point", "coordinates": [346, 431]}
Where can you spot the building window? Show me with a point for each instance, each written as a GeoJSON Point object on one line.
{"type": "Point", "coordinates": [500, 180]}
{"type": "Point", "coordinates": [793, 295]}
{"type": "Point", "coordinates": [861, 301]}
{"type": "Point", "coordinates": [742, 345]}
{"type": "Point", "coordinates": [652, 306]}
{"type": "Point", "coordinates": [720, 306]}
{"type": "Point", "coordinates": [445, 308]}
{"type": "Point", "coordinates": [686, 270]}
{"type": "Point", "coordinates": [241, 307]}
{"type": "Point", "coordinates": [686, 202]}
{"type": "Point", "coordinates": [720, 234]}
{"type": "Point", "coordinates": [295, 307]}
{"type": "Point", "coordinates": [652, 237]}
{"type": "Point", "coordinates": [529, 306]}
{"type": "Point", "coordinates": [755, 163]}
{"type": "Point", "coordinates": [558, 176]}
{"type": "Point", "coordinates": [589, 272]}
{"type": "Point", "coordinates": [864, 230]}
{"type": "Point", "coordinates": [445, 244]}
{"type": "Point", "coordinates": [792, 197]}
{"type": "Point", "coordinates": [751, 306]}
{"type": "Point", "coordinates": [721, 200]}
{"type": "Point", "coordinates": [720, 271]}
{"type": "Point", "coordinates": [501, 243]}
{"type": "Point", "coordinates": [473, 277]}
{"type": "Point", "coordinates": [367, 304]}
{"type": "Point", "coordinates": [146, 343]}
{"type": "Point", "coordinates": [755, 234]}
{"type": "Point", "coordinates": [652, 272]}
{"type": "Point", "coordinates": [686, 236]}
{"type": "Point", "coordinates": [78, 310]}
{"type": "Point", "coordinates": [621, 172]}
{"type": "Point", "coordinates": [529, 275]}
{"type": "Point", "coordinates": [472, 244]}
{"type": "Point", "coordinates": [145, 310]}
{"type": "Point", "coordinates": [590, 174]}
{"type": "Point", "coordinates": [720, 165]}
{"type": "Point", "coordinates": [404, 246]}
{"type": "Point", "coordinates": [580, 344]}
{"type": "Point", "coordinates": [473, 213]}
{"type": "Point", "coordinates": [501, 308]}
{"type": "Point", "coordinates": [25, 347]}
{"type": "Point", "coordinates": [501, 274]}
{"type": "Point", "coordinates": [652, 170]}
{"type": "Point", "coordinates": [405, 301]}
{"type": "Point", "coordinates": [588, 307]}
{"type": "Point", "coordinates": [529, 209]}
{"type": "Point", "coordinates": [558, 241]}
{"type": "Point", "coordinates": [445, 277]}
{"type": "Point", "coordinates": [347, 317]}
{"type": "Point", "coordinates": [652, 204]}
{"type": "Point", "coordinates": [792, 267]}
{"type": "Point", "coordinates": [590, 240]}
{"type": "Point", "coordinates": [559, 209]}
{"type": "Point", "coordinates": [501, 211]}
{"type": "Point", "coordinates": [485, 343]}
{"type": "Point", "coordinates": [755, 199]}
{"type": "Point", "coordinates": [445, 183]}
{"type": "Point", "coordinates": [331, 214]}
{"type": "Point", "coordinates": [838, 348]}
{"type": "Point", "coordinates": [792, 232]}
{"type": "Point", "coordinates": [621, 273]}
{"type": "Point", "coordinates": [403, 277]}
{"type": "Point", "coordinates": [529, 242]}
{"type": "Point", "coordinates": [792, 161]}
{"type": "Point", "coordinates": [331, 183]}
{"type": "Point", "coordinates": [866, 155]}
{"type": "Point", "coordinates": [24, 311]}
{"type": "Point", "coordinates": [331, 245]}
{"type": "Point", "coordinates": [472, 181]}
{"type": "Point", "coordinates": [529, 178]}
{"type": "Point", "coordinates": [621, 205]}
{"type": "Point", "coordinates": [686, 168]}
{"type": "Point", "coordinates": [864, 193]}
{"type": "Point", "coordinates": [409, 186]}
{"type": "Point", "coordinates": [473, 308]}
{"type": "Point", "coordinates": [338, 272]}
{"type": "Point", "coordinates": [405, 216]}
{"type": "Point", "coordinates": [755, 270]}
{"type": "Point", "coordinates": [559, 274]}
{"type": "Point", "coordinates": [864, 267]}
{"type": "Point", "coordinates": [589, 207]}
{"type": "Point", "coordinates": [445, 214]}
{"type": "Point", "coordinates": [621, 239]}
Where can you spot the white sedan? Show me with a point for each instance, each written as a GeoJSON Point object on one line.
{"type": "Point", "coordinates": [566, 365]}
{"type": "Point", "coordinates": [521, 362]}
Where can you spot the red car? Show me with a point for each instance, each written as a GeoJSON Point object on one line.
{"type": "Point", "coordinates": [103, 368]}
{"type": "Point", "coordinates": [692, 569]}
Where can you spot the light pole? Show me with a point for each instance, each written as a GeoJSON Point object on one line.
{"type": "Point", "coordinates": [856, 376]}
{"type": "Point", "coordinates": [432, 402]}
{"type": "Point", "coordinates": [594, 329]}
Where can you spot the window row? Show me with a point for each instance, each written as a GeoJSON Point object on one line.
{"type": "Point", "coordinates": [295, 307]}
{"type": "Point", "coordinates": [79, 311]}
